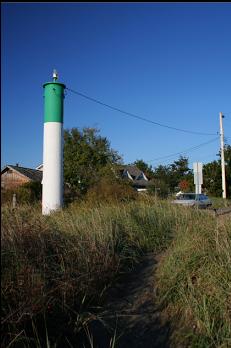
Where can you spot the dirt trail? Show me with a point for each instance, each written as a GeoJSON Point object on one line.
{"type": "Point", "coordinates": [130, 312]}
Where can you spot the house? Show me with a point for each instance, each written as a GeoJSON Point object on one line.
{"type": "Point", "coordinates": [40, 167]}
{"type": "Point", "coordinates": [14, 176]}
{"type": "Point", "coordinates": [139, 180]}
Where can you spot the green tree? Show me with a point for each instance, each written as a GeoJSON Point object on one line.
{"type": "Point", "coordinates": [179, 171]}
{"type": "Point", "coordinates": [170, 176]}
{"type": "Point", "coordinates": [228, 168]}
{"type": "Point", "coordinates": [147, 169]}
{"type": "Point", "coordinates": [86, 154]}
{"type": "Point", "coordinates": [159, 188]}
{"type": "Point", "coordinates": [161, 181]}
{"type": "Point", "coordinates": [212, 178]}
{"type": "Point", "coordinates": [212, 175]}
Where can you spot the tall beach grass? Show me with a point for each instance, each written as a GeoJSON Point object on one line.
{"type": "Point", "coordinates": [56, 269]}
{"type": "Point", "coordinates": [63, 263]}
{"type": "Point", "coordinates": [194, 283]}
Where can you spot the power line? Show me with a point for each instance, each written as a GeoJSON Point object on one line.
{"type": "Point", "coordinates": [184, 151]}
{"type": "Point", "coordinates": [204, 158]}
{"type": "Point", "coordinates": [191, 162]}
{"type": "Point", "coordinates": [136, 116]}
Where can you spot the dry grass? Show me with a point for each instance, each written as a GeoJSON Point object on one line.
{"type": "Point", "coordinates": [56, 268]}
{"type": "Point", "coordinates": [194, 282]}
{"type": "Point", "coordinates": [63, 263]}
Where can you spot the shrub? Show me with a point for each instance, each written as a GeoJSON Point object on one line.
{"type": "Point", "coordinates": [29, 192]}
{"type": "Point", "coordinates": [108, 191]}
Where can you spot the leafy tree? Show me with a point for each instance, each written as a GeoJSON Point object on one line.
{"type": "Point", "coordinates": [227, 153]}
{"type": "Point", "coordinates": [171, 175]}
{"type": "Point", "coordinates": [159, 188]}
{"type": "Point", "coordinates": [184, 185]}
{"type": "Point", "coordinates": [86, 154]}
{"type": "Point", "coordinates": [179, 170]}
{"type": "Point", "coordinates": [162, 172]}
{"type": "Point", "coordinates": [212, 180]}
{"type": "Point", "coordinates": [161, 181]}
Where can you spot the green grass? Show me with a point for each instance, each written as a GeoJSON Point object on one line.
{"type": "Point", "coordinates": [220, 202]}
{"type": "Point", "coordinates": [194, 282]}
{"type": "Point", "coordinates": [64, 262]}
{"type": "Point", "coordinates": [56, 268]}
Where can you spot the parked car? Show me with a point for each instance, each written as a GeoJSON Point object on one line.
{"type": "Point", "coordinates": [193, 200]}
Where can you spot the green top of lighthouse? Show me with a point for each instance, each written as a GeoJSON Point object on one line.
{"type": "Point", "coordinates": [54, 95]}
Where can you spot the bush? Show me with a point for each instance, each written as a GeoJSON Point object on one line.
{"type": "Point", "coordinates": [159, 189]}
{"type": "Point", "coordinates": [29, 192]}
{"type": "Point", "coordinates": [108, 191]}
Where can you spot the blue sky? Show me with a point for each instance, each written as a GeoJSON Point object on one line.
{"type": "Point", "coordinates": [168, 62]}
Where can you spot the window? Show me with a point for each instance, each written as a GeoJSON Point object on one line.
{"type": "Point", "coordinates": [140, 177]}
{"type": "Point", "coordinates": [191, 197]}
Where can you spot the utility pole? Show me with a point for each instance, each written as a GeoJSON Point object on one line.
{"type": "Point", "coordinates": [222, 156]}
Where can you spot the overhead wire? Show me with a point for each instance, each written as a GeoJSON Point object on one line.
{"type": "Point", "coordinates": [136, 116]}
{"type": "Point", "coordinates": [190, 162]}
{"type": "Point", "coordinates": [153, 122]}
{"type": "Point", "coordinates": [204, 158]}
{"type": "Point", "coordinates": [184, 151]}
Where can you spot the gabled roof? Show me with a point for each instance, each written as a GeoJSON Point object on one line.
{"type": "Point", "coordinates": [133, 170]}
{"type": "Point", "coordinates": [32, 174]}
{"type": "Point", "coordinates": [40, 167]}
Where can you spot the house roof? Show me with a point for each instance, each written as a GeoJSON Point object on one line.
{"type": "Point", "coordinates": [133, 170]}
{"type": "Point", "coordinates": [32, 174]}
{"type": "Point", "coordinates": [139, 179]}
{"type": "Point", "coordinates": [40, 167]}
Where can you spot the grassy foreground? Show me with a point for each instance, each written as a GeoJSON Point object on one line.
{"type": "Point", "coordinates": [194, 283]}
{"type": "Point", "coordinates": [59, 266]}
{"type": "Point", "coordinates": [56, 268]}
